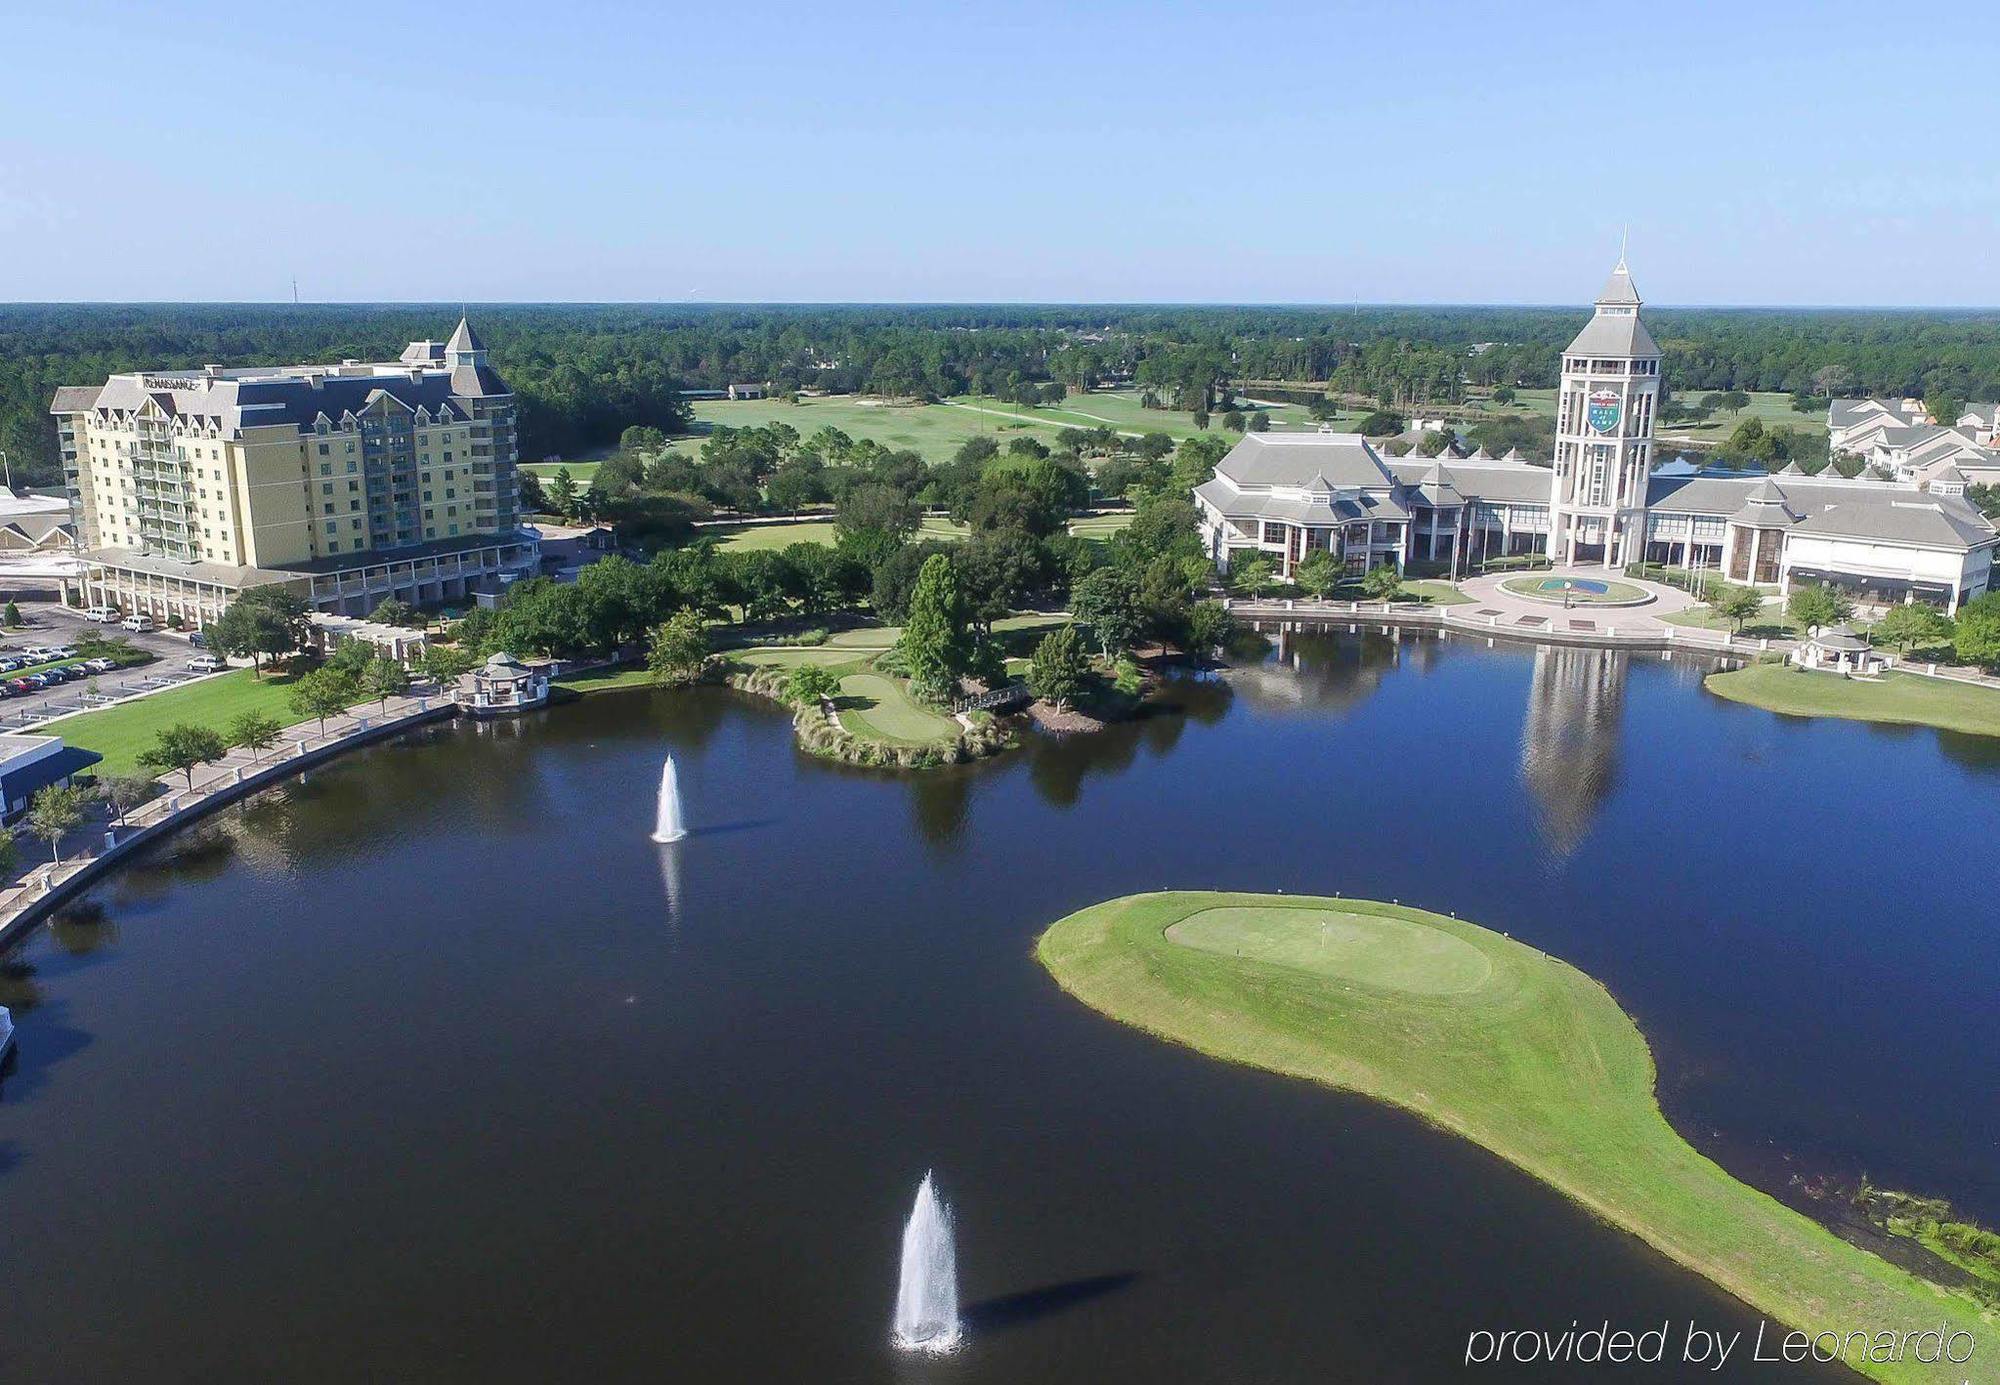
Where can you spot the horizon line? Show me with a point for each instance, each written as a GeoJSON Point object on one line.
{"type": "Point", "coordinates": [1344, 305]}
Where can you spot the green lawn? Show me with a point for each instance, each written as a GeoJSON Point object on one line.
{"type": "Point", "coordinates": [1122, 410]}
{"type": "Point", "coordinates": [1771, 623]}
{"type": "Point", "coordinates": [874, 704]}
{"type": "Point", "coordinates": [1100, 526]}
{"type": "Point", "coordinates": [744, 538]}
{"type": "Point", "coordinates": [934, 430]}
{"type": "Point", "coordinates": [1437, 593]}
{"type": "Point", "coordinates": [120, 733]}
{"type": "Point", "coordinates": [606, 680]}
{"type": "Point", "coordinates": [579, 472]}
{"type": "Point", "coordinates": [1529, 1058]}
{"type": "Point", "coordinates": [1902, 698]}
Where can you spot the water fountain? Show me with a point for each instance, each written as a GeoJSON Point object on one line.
{"type": "Point", "coordinates": [927, 1290]}
{"type": "Point", "coordinates": [667, 826]}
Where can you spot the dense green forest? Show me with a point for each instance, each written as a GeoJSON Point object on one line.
{"type": "Point", "coordinates": [586, 372]}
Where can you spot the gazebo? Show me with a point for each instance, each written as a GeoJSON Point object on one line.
{"type": "Point", "coordinates": [1837, 649]}
{"type": "Point", "coordinates": [503, 684]}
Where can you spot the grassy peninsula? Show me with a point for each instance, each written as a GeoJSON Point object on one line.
{"type": "Point", "coordinates": [1904, 699]}
{"type": "Point", "coordinates": [1497, 1042]}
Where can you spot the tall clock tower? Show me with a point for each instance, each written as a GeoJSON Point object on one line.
{"type": "Point", "coordinates": [1604, 433]}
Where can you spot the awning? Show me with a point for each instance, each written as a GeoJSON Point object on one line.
{"type": "Point", "coordinates": [30, 779]}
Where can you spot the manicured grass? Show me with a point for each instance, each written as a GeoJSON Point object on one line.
{"type": "Point", "coordinates": [1435, 592]}
{"type": "Point", "coordinates": [121, 733]}
{"type": "Point", "coordinates": [935, 431]}
{"type": "Point", "coordinates": [1100, 526]}
{"type": "Point", "coordinates": [1907, 699]}
{"type": "Point", "coordinates": [746, 538]}
{"type": "Point", "coordinates": [1530, 586]}
{"type": "Point", "coordinates": [1534, 1062]}
{"type": "Point", "coordinates": [579, 472]}
{"type": "Point", "coordinates": [1770, 623]}
{"type": "Point", "coordinates": [793, 656]}
{"type": "Point", "coordinates": [874, 704]}
{"type": "Point", "coordinates": [606, 679]}
{"type": "Point", "coordinates": [1121, 410]}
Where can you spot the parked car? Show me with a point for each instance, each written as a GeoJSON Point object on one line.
{"type": "Point", "coordinates": [205, 663]}
{"type": "Point", "coordinates": [21, 685]}
{"type": "Point", "coordinates": [196, 638]}
{"type": "Point", "coordinates": [63, 651]}
{"type": "Point", "coordinates": [100, 665]}
{"type": "Point", "coordinates": [137, 624]}
{"type": "Point", "coordinates": [101, 615]}
{"type": "Point", "coordinates": [36, 681]}
{"type": "Point", "coordinates": [9, 665]}
{"type": "Point", "coordinates": [38, 653]}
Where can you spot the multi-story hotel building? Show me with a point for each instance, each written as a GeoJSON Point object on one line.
{"type": "Point", "coordinates": [1600, 500]}
{"type": "Point", "coordinates": [351, 483]}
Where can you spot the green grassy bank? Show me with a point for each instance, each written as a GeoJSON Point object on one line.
{"type": "Point", "coordinates": [121, 733]}
{"type": "Point", "coordinates": [1497, 1042]}
{"type": "Point", "coordinates": [1904, 699]}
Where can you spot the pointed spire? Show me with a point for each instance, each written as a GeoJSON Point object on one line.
{"type": "Point", "coordinates": [464, 341]}
{"type": "Point", "coordinates": [1618, 290]}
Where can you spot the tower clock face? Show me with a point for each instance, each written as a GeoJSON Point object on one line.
{"type": "Point", "coordinates": [1603, 411]}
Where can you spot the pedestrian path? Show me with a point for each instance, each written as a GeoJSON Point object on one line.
{"type": "Point", "coordinates": [48, 875]}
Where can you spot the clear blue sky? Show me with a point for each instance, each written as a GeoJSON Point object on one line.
{"type": "Point", "coordinates": [1394, 152]}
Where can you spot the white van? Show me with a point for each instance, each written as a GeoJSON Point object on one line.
{"type": "Point", "coordinates": [101, 615]}
{"type": "Point", "coordinates": [137, 624]}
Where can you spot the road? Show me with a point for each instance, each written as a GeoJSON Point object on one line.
{"type": "Point", "coordinates": [53, 624]}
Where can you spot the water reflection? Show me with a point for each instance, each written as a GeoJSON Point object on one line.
{"type": "Point", "coordinates": [670, 881]}
{"type": "Point", "coordinates": [941, 801]}
{"type": "Point", "coordinates": [1569, 740]}
{"type": "Point", "coordinates": [1324, 668]}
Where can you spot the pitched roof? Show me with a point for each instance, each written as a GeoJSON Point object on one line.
{"type": "Point", "coordinates": [1615, 333]}
{"type": "Point", "coordinates": [1292, 459]}
{"type": "Point", "coordinates": [1618, 288]}
{"type": "Point", "coordinates": [74, 399]}
{"type": "Point", "coordinates": [463, 339]}
{"type": "Point", "coordinates": [1834, 507]}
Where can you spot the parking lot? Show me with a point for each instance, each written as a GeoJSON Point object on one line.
{"type": "Point", "coordinates": [50, 624]}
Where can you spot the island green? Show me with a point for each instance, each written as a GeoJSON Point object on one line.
{"type": "Point", "coordinates": [1492, 1040]}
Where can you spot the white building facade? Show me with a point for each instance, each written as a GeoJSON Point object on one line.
{"type": "Point", "coordinates": [1285, 496]}
{"type": "Point", "coordinates": [1605, 409]}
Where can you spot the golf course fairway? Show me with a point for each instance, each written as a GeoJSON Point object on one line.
{"type": "Point", "coordinates": [1510, 1048]}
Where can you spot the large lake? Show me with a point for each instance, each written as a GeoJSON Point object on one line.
{"type": "Point", "coordinates": [433, 1067]}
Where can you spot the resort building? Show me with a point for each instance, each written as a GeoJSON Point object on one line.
{"type": "Point", "coordinates": [1858, 426]}
{"type": "Point", "coordinates": [1599, 500]}
{"type": "Point", "coordinates": [349, 483]}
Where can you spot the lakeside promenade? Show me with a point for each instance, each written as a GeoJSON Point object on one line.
{"type": "Point", "coordinates": [101, 842]}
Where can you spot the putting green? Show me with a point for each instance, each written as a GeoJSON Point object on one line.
{"type": "Point", "coordinates": [1395, 954]}
{"type": "Point", "coordinates": [1530, 1059]}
